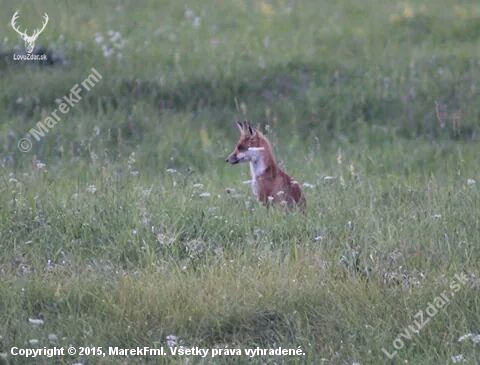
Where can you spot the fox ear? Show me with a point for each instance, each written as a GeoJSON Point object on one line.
{"type": "Point", "coordinates": [241, 127]}
{"type": "Point", "coordinates": [251, 130]}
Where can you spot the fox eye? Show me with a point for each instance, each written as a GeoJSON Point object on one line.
{"type": "Point", "coordinates": [242, 148]}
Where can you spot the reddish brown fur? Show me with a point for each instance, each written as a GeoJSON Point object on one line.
{"type": "Point", "coordinates": [272, 184]}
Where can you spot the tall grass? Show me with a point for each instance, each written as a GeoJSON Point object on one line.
{"type": "Point", "coordinates": [124, 225]}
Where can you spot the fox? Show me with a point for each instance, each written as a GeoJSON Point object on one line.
{"type": "Point", "coordinates": [270, 184]}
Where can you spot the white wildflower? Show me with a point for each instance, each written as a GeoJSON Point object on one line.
{"type": "Point", "coordinates": [91, 189]}
{"type": "Point", "coordinates": [458, 358]}
{"type": "Point", "coordinates": [172, 341]}
{"type": "Point", "coordinates": [93, 156]}
{"type": "Point", "coordinates": [351, 168]}
{"type": "Point", "coordinates": [464, 337]}
{"type": "Point", "coordinates": [98, 38]}
{"type": "Point", "coordinates": [52, 338]}
{"type": "Point", "coordinates": [164, 239]}
{"type": "Point", "coordinates": [35, 321]}
{"type": "Point", "coordinates": [329, 178]}
{"type": "Point", "coordinates": [308, 185]}
{"type": "Point", "coordinates": [40, 165]}
{"type": "Point", "coordinates": [171, 171]}
{"type": "Point", "coordinates": [107, 51]}
{"type": "Point", "coordinates": [198, 186]}
{"type": "Point", "coordinates": [475, 338]}
{"type": "Point", "coordinates": [189, 14]}
{"type": "Point", "coordinates": [204, 195]}
{"type": "Point", "coordinates": [33, 342]}
{"type": "Point", "coordinates": [131, 159]}
{"type": "Point", "coordinates": [339, 158]}
{"type": "Point", "coordinates": [471, 181]}
{"type": "Point", "coordinates": [116, 36]}
{"type": "Point", "coordinates": [436, 216]}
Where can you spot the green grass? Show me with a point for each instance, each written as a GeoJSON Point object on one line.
{"type": "Point", "coordinates": [105, 233]}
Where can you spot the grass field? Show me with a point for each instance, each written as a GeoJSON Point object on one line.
{"type": "Point", "coordinates": [123, 226]}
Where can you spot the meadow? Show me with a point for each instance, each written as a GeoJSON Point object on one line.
{"type": "Point", "coordinates": [123, 226]}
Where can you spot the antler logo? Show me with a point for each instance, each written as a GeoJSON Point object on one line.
{"type": "Point", "coordinates": [29, 40]}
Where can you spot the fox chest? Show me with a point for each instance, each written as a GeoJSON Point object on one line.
{"type": "Point", "coordinates": [253, 181]}
{"type": "Point", "coordinates": [256, 169]}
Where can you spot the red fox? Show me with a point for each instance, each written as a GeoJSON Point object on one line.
{"type": "Point", "coordinates": [269, 183]}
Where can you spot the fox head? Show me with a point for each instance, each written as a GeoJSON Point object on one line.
{"type": "Point", "coordinates": [249, 145]}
